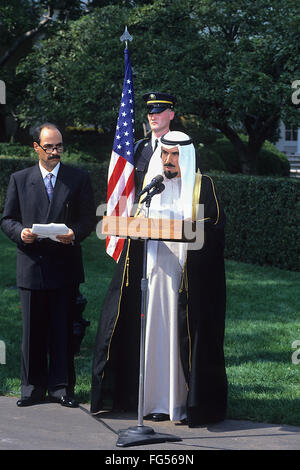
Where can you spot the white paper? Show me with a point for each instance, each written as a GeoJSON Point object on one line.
{"type": "Point", "coordinates": [49, 230]}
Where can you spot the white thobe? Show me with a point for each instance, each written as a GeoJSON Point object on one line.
{"type": "Point", "coordinates": [165, 389]}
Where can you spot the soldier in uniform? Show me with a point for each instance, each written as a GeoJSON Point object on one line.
{"type": "Point", "coordinates": [160, 112]}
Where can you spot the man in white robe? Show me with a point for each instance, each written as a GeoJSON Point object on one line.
{"type": "Point", "coordinates": [185, 373]}
{"type": "Point", "coordinates": [165, 387]}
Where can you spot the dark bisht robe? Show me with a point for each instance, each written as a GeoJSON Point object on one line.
{"type": "Point", "coordinates": [201, 311]}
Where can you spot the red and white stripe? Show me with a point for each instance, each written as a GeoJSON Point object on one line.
{"type": "Point", "coordinates": [120, 198]}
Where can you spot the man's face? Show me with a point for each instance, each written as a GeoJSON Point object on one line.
{"type": "Point", "coordinates": [170, 161]}
{"type": "Point", "coordinates": [49, 138]}
{"type": "Point", "coordinates": [160, 122]}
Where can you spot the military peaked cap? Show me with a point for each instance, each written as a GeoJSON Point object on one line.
{"type": "Point", "coordinates": [158, 102]}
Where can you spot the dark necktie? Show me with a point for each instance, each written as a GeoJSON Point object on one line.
{"type": "Point", "coordinates": [49, 186]}
{"type": "Point", "coordinates": [155, 145]}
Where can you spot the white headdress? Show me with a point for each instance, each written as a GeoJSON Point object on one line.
{"type": "Point", "coordinates": [187, 164]}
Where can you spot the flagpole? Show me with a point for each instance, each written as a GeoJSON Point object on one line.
{"type": "Point", "coordinates": [140, 434]}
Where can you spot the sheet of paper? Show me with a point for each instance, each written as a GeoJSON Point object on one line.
{"type": "Point", "coordinates": [49, 230]}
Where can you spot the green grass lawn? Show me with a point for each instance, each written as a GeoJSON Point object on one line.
{"type": "Point", "coordinates": [263, 321]}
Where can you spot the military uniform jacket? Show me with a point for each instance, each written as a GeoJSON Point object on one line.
{"type": "Point", "coordinates": [142, 156]}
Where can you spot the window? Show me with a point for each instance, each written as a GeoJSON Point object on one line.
{"type": "Point", "coordinates": [291, 132]}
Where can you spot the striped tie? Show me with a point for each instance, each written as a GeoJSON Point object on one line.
{"type": "Point", "coordinates": [49, 186]}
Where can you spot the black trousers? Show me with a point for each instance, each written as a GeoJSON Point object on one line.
{"type": "Point", "coordinates": [47, 353]}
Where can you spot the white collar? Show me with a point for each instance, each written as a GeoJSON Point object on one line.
{"type": "Point", "coordinates": [46, 172]}
{"type": "Point", "coordinates": [153, 139]}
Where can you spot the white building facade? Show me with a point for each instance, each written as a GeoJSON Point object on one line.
{"type": "Point", "coordinates": [289, 144]}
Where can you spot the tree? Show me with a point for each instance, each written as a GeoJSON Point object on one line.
{"type": "Point", "coordinates": [21, 22]}
{"type": "Point", "coordinates": [231, 65]}
{"type": "Point", "coordinates": [76, 76]}
{"type": "Point", "coordinates": [233, 62]}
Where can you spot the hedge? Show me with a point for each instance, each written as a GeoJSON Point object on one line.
{"type": "Point", "coordinates": [263, 219]}
{"type": "Point", "coordinates": [263, 213]}
{"type": "Point", "coordinates": [97, 172]}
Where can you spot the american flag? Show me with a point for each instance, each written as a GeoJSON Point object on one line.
{"type": "Point", "coordinates": [120, 189]}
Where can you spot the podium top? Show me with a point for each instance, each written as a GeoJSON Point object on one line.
{"type": "Point", "coordinates": [142, 227]}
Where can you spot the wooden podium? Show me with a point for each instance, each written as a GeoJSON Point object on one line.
{"type": "Point", "coordinates": [143, 228]}
{"type": "Point", "coordinates": [149, 228]}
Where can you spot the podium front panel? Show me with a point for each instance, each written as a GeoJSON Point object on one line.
{"type": "Point", "coordinates": [141, 227]}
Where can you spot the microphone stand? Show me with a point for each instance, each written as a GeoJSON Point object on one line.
{"type": "Point", "coordinates": [140, 434]}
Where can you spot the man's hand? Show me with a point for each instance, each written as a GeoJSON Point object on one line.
{"type": "Point", "coordinates": [66, 239]}
{"type": "Point", "coordinates": [27, 236]}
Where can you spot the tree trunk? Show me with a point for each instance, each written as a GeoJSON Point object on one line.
{"type": "Point", "coordinates": [248, 158]}
{"type": "Point", "coordinates": [247, 154]}
{"type": "Point", "coordinates": [18, 43]}
{"type": "Point", "coordinates": [3, 136]}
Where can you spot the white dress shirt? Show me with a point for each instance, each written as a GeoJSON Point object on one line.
{"type": "Point", "coordinates": [46, 172]}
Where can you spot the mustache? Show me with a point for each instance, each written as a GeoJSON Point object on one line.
{"type": "Point", "coordinates": [52, 157]}
{"type": "Point", "coordinates": [169, 165]}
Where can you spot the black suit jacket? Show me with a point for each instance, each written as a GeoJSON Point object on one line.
{"type": "Point", "coordinates": [46, 264]}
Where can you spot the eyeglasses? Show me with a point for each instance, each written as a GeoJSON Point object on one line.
{"type": "Point", "coordinates": [48, 148]}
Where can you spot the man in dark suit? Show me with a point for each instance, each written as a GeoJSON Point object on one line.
{"type": "Point", "coordinates": [48, 272]}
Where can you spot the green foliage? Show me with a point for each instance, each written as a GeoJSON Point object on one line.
{"type": "Point", "coordinates": [263, 219]}
{"type": "Point", "coordinates": [97, 172]}
{"type": "Point", "coordinates": [272, 162]}
{"type": "Point", "coordinates": [263, 213]}
{"type": "Point", "coordinates": [16, 150]}
{"type": "Point", "coordinates": [232, 64]}
{"type": "Point", "coordinates": [94, 146]}
{"type": "Point", "coordinates": [20, 22]}
{"type": "Point", "coordinates": [17, 17]}
{"type": "Point", "coordinates": [221, 155]}
{"type": "Point", "coordinates": [9, 165]}
{"type": "Point", "coordinates": [76, 77]}
{"type": "Point", "coordinates": [71, 153]}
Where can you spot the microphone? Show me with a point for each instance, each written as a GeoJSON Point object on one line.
{"type": "Point", "coordinates": [156, 190]}
{"type": "Point", "coordinates": [155, 182]}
